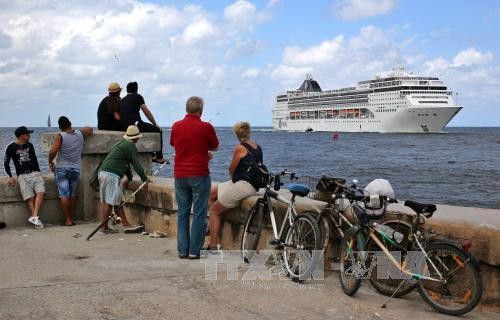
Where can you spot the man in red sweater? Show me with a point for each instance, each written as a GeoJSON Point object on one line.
{"type": "Point", "coordinates": [192, 140]}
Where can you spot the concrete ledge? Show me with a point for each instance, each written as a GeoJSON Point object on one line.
{"type": "Point", "coordinates": [15, 212]}
{"type": "Point", "coordinates": [102, 141]}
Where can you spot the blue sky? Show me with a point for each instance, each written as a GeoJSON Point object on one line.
{"type": "Point", "coordinates": [58, 57]}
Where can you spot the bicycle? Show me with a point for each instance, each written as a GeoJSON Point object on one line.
{"type": "Point", "coordinates": [298, 240]}
{"type": "Point", "coordinates": [446, 276]}
{"type": "Point", "coordinates": [336, 213]}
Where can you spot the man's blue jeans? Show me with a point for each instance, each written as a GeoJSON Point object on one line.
{"type": "Point", "coordinates": [192, 191]}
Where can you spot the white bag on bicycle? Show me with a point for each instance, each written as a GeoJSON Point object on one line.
{"type": "Point", "coordinates": [376, 188]}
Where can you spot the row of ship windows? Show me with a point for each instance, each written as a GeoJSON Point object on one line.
{"type": "Point", "coordinates": [433, 102]}
{"type": "Point", "coordinates": [329, 102]}
{"type": "Point", "coordinates": [387, 104]}
{"type": "Point", "coordinates": [430, 97]}
{"type": "Point", "coordinates": [403, 93]}
{"type": "Point", "coordinates": [322, 107]}
{"type": "Point", "coordinates": [344, 121]}
{"type": "Point", "coordinates": [331, 114]}
{"type": "Point", "coordinates": [398, 78]}
{"type": "Point", "coordinates": [386, 110]}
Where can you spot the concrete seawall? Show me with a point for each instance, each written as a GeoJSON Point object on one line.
{"type": "Point", "coordinates": [157, 210]}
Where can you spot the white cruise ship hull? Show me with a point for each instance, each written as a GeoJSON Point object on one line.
{"type": "Point", "coordinates": [397, 102]}
{"type": "Point", "coordinates": [405, 120]}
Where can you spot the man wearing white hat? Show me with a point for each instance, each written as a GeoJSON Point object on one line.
{"type": "Point", "coordinates": [113, 168]}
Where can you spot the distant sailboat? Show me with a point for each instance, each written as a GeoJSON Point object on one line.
{"type": "Point", "coordinates": [48, 122]}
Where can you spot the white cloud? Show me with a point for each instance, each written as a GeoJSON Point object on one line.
{"type": "Point", "coordinates": [325, 52]}
{"type": "Point", "coordinates": [199, 30]}
{"type": "Point", "coordinates": [251, 73]}
{"type": "Point", "coordinates": [240, 14]}
{"type": "Point", "coordinates": [470, 57]}
{"type": "Point", "coordinates": [242, 48]}
{"type": "Point", "coordinates": [289, 73]}
{"type": "Point", "coordinates": [57, 50]}
{"type": "Point", "coordinates": [272, 3]}
{"type": "Point", "coordinates": [5, 40]}
{"type": "Point", "coordinates": [357, 9]}
{"type": "Point", "coordinates": [436, 65]}
{"type": "Point", "coordinates": [70, 51]}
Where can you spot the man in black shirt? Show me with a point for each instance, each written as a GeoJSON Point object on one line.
{"type": "Point", "coordinates": [28, 172]}
{"type": "Point", "coordinates": [130, 107]}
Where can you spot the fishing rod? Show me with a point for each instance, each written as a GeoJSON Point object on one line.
{"type": "Point", "coordinates": [112, 214]}
{"type": "Point", "coordinates": [209, 121]}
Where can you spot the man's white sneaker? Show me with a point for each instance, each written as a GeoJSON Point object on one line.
{"type": "Point", "coordinates": [36, 222]}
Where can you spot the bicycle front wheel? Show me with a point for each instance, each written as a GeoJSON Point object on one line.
{"type": "Point", "coordinates": [302, 247]}
{"type": "Point", "coordinates": [352, 262]}
{"type": "Point", "coordinates": [462, 284]}
{"type": "Point", "coordinates": [251, 233]}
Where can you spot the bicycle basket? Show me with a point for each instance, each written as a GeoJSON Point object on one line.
{"type": "Point", "coordinates": [322, 187]}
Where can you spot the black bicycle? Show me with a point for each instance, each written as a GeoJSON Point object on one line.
{"type": "Point", "coordinates": [446, 276]}
{"type": "Point", "coordinates": [298, 240]}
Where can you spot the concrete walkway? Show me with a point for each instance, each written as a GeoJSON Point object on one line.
{"type": "Point", "coordinates": [55, 274]}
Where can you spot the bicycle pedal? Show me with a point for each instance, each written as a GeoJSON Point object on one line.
{"type": "Point", "coordinates": [275, 242]}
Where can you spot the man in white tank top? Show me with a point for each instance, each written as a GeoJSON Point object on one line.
{"type": "Point", "coordinates": [68, 146]}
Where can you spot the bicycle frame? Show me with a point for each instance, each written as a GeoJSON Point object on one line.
{"type": "Point", "coordinates": [290, 212]}
{"type": "Point", "coordinates": [400, 267]}
{"type": "Point", "coordinates": [334, 206]}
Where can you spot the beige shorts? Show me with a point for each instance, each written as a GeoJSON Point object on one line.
{"type": "Point", "coordinates": [31, 184]}
{"type": "Point", "coordinates": [230, 194]}
{"type": "Point", "coordinates": [110, 190]}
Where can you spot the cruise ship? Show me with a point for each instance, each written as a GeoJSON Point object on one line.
{"type": "Point", "coordinates": [397, 102]}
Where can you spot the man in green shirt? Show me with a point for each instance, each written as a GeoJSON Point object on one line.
{"type": "Point", "coordinates": [113, 168]}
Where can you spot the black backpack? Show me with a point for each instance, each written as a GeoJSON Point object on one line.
{"type": "Point", "coordinates": [259, 175]}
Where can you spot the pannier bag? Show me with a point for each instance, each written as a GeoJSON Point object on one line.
{"type": "Point", "coordinates": [261, 176]}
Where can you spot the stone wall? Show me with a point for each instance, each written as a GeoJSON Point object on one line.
{"type": "Point", "coordinates": [95, 149]}
{"type": "Point", "coordinates": [15, 212]}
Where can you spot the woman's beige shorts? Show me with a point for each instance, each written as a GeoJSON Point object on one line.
{"type": "Point", "coordinates": [230, 194]}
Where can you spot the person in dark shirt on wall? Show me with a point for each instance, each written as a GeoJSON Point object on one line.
{"type": "Point", "coordinates": [130, 107]}
{"type": "Point", "coordinates": [108, 113]}
{"type": "Point", "coordinates": [28, 172]}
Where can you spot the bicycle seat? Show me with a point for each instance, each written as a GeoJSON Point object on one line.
{"type": "Point", "coordinates": [298, 189]}
{"type": "Point", "coordinates": [422, 208]}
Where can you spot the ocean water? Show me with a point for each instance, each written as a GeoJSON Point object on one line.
{"type": "Point", "coordinates": [458, 167]}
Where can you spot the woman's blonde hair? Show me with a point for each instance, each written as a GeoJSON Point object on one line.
{"type": "Point", "coordinates": [242, 130]}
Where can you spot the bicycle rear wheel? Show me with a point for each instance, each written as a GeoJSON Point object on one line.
{"type": "Point", "coordinates": [302, 247]}
{"type": "Point", "coordinates": [252, 231]}
{"type": "Point", "coordinates": [462, 287]}
{"type": "Point", "coordinates": [352, 262]}
{"type": "Point", "coordinates": [324, 230]}
{"type": "Point", "coordinates": [381, 282]}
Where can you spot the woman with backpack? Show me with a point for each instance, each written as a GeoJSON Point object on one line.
{"type": "Point", "coordinates": [247, 156]}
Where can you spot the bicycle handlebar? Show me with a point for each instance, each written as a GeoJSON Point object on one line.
{"type": "Point", "coordinates": [350, 194]}
{"type": "Point", "coordinates": [292, 175]}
